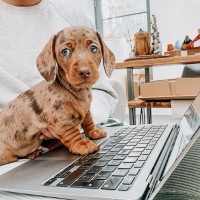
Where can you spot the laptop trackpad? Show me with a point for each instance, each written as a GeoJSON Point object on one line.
{"type": "Point", "coordinates": [60, 153]}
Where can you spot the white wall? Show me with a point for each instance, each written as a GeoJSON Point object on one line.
{"type": "Point", "coordinates": [175, 20]}
{"type": "Point", "coordinates": [85, 6]}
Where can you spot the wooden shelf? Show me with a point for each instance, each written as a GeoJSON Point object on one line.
{"type": "Point", "coordinates": [149, 104]}
{"type": "Point", "coordinates": [144, 63]}
{"type": "Point", "coordinates": [148, 63]}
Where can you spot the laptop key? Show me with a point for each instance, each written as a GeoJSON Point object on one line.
{"type": "Point", "coordinates": [146, 138]}
{"type": "Point", "coordinates": [126, 166]}
{"type": "Point", "coordinates": [103, 151]}
{"type": "Point", "coordinates": [141, 145]}
{"type": "Point", "coordinates": [119, 157]}
{"type": "Point", "coordinates": [146, 152]}
{"type": "Point", "coordinates": [120, 146]}
{"type": "Point", "coordinates": [130, 160]}
{"type": "Point", "coordinates": [86, 177]}
{"type": "Point", "coordinates": [155, 139]}
{"type": "Point", "coordinates": [113, 153]}
{"type": "Point", "coordinates": [120, 172]}
{"type": "Point", "coordinates": [114, 162]}
{"type": "Point", "coordinates": [50, 181]}
{"type": "Point", "coordinates": [153, 143]}
{"type": "Point", "coordinates": [111, 144]}
{"type": "Point", "coordinates": [138, 137]}
{"type": "Point", "coordinates": [96, 156]}
{"type": "Point", "coordinates": [84, 166]}
{"type": "Point", "coordinates": [130, 147]}
{"type": "Point", "coordinates": [138, 149]}
{"type": "Point", "coordinates": [134, 171]}
{"type": "Point", "coordinates": [128, 180]}
{"type": "Point", "coordinates": [115, 149]}
{"type": "Point", "coordinates": [123, 135]}
{"type": "Point", "coordinates": [134, 140]}
{"type": "Point", "coordinates": [91, 161]}
{"type": "Point", "coordinates": [139, 164]}
{"type": "Point", "coordinates": [143, 157]}
{"type": "Point", "coordinates": [112, 183]}
{"type": "Point", "coordinates": [134, 154]}
{"type": "Point", "coordinates": [152, 134]}
{"type": "Point", "coordinates": [126, 139]}
{"type": "Point", "coordinates": [70, 179]}
{"type": "Point", "coordinates": [159, 133]}
{"type": "Point", "coordinates": [109, 168]}
{"type": "Point", "coordinates": [144, 142]}
{"type": "Point", "coordinates": [150, 147]}
{"type": "Point", "coordinates": [124, 152]}
{"type": "Point", "coordinates": [94, 184]}
{"type": "Point", "coordinates": [100, 163]}
{"type": "Point", "coordinates": [132, 134]}
{"type": "Point", "coordinates": [123, 142]}
{"type": "Point", "coordinates": [124, 187]}
{"type": "Point", "coordinates": [94, 169]}
{"type": "Point", "coordinates": [139, 127]}
{"type": "Point", "coordinates": [103, 175]}
{"type": "Point", "coordinates": [64, 175]}
{"type": "Point", "coordinates": [132, 144]}
{"type": "Point", "coordinates": [107, 147]}
{"type": "Point", "coordinates": [106, 158]}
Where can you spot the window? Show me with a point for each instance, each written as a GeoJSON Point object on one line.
{"type": "Point", "coordinates": [122, 18]}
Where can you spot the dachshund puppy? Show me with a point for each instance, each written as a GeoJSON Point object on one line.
{"type": "Point", "coordinates": [61, 103]}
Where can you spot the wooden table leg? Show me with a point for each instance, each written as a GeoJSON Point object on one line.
{"type": "Point", "coordinates": [132, 114]}
{"type": "Point", "coordinates": [147, 79]}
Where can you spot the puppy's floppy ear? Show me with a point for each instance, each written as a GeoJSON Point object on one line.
{"type": "Point", "coordinates": [46, 61]}
{"type": "Point", "coordinates": [108, 57]}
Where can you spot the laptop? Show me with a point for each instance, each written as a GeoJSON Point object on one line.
{"type": "Point", "coordinates": [133, 163]}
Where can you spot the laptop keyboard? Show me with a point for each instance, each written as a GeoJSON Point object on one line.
{"type": "Point", "coordinates": [114, 167]}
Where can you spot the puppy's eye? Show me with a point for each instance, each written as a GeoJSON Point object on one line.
{"type": "Point", "coordinates": [66, 52]}
{"type": "Point", "coordinates": [93, 49]}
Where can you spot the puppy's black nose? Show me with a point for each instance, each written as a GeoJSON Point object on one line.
{"type": "Point", "coordinates": [84, 72]}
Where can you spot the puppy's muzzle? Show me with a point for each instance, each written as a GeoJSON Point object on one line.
{"type": "Point", "coordinates": [84, 72]}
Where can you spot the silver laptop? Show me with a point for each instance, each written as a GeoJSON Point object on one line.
{"type": "Point", "coordinates": [135, 162]}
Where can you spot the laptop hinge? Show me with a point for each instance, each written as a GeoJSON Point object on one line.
{"type": "Point", "coordinates": [150, 180]}
{"type": "Point", "coordinates": [155, 175]}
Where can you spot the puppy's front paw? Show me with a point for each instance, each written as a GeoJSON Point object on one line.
{"type": "Point", "coordinates": [34, 154]}
{"type": "Point", "coordinates": [96, 133]}
{"type": "Point", "coordinates": [84, 147]}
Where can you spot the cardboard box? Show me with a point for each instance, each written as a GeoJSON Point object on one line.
{"type": "Point", "coordinates": [193, 51]}
{"type": "Point", "coordinates": [173, 53]}
{"type": "Point", "coordinates": [187, 52]}
{"type": "Point", "coordinates": [181, 88]}
{"type": "Point", "coordinates": [138, 79]}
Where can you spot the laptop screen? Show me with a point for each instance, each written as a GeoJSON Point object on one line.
{"type": "Point", "coordinates": [187, 127]}
{"type": "Point", "coordinates": [191, 119]}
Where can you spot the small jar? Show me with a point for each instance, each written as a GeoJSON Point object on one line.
{"type": "Point", "coordinates": [142, 43]}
